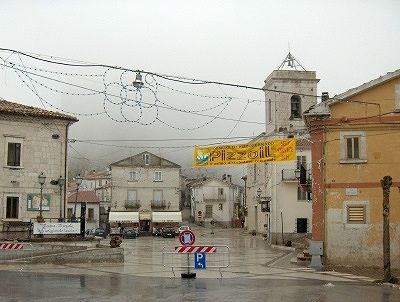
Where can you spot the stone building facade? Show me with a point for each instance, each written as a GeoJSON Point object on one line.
{"type": "Point", "coordinates": [146, 183]}
{"type": "Point", "coordinates": [32, 141]}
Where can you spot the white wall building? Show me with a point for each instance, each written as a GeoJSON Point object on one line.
{"type": "Point", "coordinates": [146, 183]}
{"type": "Point", "coordinates": [100, 182]}
{"type": "Point", "coordinates": [92, 208]}
{"type": "Point", "coordinates": [276, 205]}
{"type": "Point", "coordinates": [215, 200]}
{"type": "Point", "coordinates": [32, 141]}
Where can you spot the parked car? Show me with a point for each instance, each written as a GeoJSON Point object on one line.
{"type": "Point", "coordinates": [156, 232]}
{"type": "Point", "coordinates": [100, 233]}
{"type": "Point", "coordinates": [168, 232]}
{"type": "Point", "coordinates": [130, 233]}
{"type": "Point", "coordinates": [182, 228]}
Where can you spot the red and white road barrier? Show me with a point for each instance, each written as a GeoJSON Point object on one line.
{"type": "Point", "coordinates": [11, 246]}
{"type": "Point", "coordinates": [195, 249]}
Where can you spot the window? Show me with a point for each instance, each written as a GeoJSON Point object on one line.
{"type": "Point", "coordinates": [132, 195]}
{"type": "Point", "coordinates": [353, 147]}
{"type": "Point", "coordinates": [301, 160]}
{"type": "Point", "coordinates": [295, 106]}
{"type": "Point", "coordinates": [301, 225]}
{"type": "Point", "coordinates": [209, 211]}
{"type": "Point", "coordinates": [301, 193]}
{"type": "Point", "coordinates": [397, 96]}
{"type": "Point", "coordinates": [131, 176]}
{"type": "Point", "coordinates": [269, 114]}
{"type": "Point", "coordinates": [12, 207]}
{"type": "Point", "coordinates": [356, 214]}
{"type": "Point", "coordinates": [157, 176]}
{"type": "Point", "coordinates": [157, 198]}
{"type": "Point", "coordinates": [220, 191]}
{"type": "Point", "coordinates": [69, 212]}
{"type": "Point", "coordinates": [146, 158]}
{"type": "Point", "coordinates": [90, 214]}
{"type": "Point", "coordinates": [100, 182]}
{"type": "Point", "coordinates": [220, 207]}
{"type": "Point", "coordinates": [14, 154]}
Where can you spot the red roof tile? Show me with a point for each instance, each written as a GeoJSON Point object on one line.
{"type": "Point", "coordinates": [83, 196]}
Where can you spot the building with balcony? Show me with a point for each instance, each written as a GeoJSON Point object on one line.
{"type": "Point", "coordinates": [216, 200]}
{"type": "Point", "coordinates": [32, 141]}
{"type": "Point", "coordinates": [146, 184]}
{"type": "Point", "coordinates": [276, 205]}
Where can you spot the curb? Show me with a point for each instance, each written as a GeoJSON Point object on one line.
{"type": "Point", "coordinates": [283, 248]}
{"type": "Point", "coordinates": [394, 286]}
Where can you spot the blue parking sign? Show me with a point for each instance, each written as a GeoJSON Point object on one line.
{"type": "Point", "coordinates": [200, 260]}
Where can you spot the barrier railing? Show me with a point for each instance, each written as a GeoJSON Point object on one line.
{"type": "Point", "coordinates": [218, 257]}
{"type": "Point", "coordinates": [17, 251]}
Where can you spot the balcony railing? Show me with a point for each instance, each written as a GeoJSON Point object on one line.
{"type": "Point", "coordinates": [132, 204]}
{"type": "Point", "coordinates": [158, 204]}
{"type": "Point", "coordinates": [289, 175]}
{"type": "Point", "coordinates": [218, 198]}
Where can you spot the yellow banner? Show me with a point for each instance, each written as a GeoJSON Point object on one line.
{"type": "Point", "coordinates": [258, 152]}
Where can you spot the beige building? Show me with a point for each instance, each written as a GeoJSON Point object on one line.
{"type": "Point", "coordinates": [277, 207]}
{"type": "Point", "coordinates": [32, 141]}
{"type": "Point", "coordinates": [148, 186]}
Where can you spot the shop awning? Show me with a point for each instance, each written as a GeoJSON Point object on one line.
{"type": "Point", "coordinates": [166, 217]}
{"type": "Point", "coordinates": [124, 217]}
{"type": "Point", "coordinates": [145, 216]}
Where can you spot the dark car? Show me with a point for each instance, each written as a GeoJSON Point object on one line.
{"type": "Point", "coordinates": [100, 233]}
{"type": "Point", "coordinates": [168, 232]}
{"type": "Point", "coordinates": [129, 233]}
{"type": "Point", "coordinates": [156, 232]}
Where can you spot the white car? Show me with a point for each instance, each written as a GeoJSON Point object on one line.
{"type": "Point", "coordinates": [183, 228]}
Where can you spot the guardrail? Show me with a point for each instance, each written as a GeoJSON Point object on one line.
{"type": "Point", "coordinates": [18, 251]}
{"type": "Point", "coordinates": [218, 257]}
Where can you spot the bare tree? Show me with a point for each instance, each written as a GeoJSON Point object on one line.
{"type": "Point", "coordinates": [386, 183]}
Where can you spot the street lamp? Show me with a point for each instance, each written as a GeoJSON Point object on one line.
{"type": "Point", "coordinates": [42, 180]}
{"type": "Point", "coordinates": [61, 183]}
{"type": "Point", "coordinates": [259, 194]}
{"type": "Point", "coordinates": [78, 181]}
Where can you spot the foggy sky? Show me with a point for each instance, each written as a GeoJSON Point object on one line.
{"type": "Point", "coordinates": [346, 42]}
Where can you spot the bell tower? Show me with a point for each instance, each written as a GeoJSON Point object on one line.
{"type": "Point", "coordinates": [289, 91]}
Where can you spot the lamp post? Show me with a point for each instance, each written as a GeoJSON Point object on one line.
{"type": "Point", "coordinates": [78, 181]}
{"type": "Point", "coordinates": [61, 183]}
{"type": "Point", "coordinates": [259, 194]}
{"type": "Point", "coordinates": [42, 180]}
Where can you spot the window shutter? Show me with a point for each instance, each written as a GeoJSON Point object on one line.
{"type": "Point", "coordinates": [356, 214]}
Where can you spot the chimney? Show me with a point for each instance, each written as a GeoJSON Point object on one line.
{"type": "Point", "coordinates": [324, 96]}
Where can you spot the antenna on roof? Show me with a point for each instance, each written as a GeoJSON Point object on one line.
{"type": "Point", "coordinates": [291, 62]}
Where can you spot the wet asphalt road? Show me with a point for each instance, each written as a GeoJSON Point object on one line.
{"type": "Point", "coordinates": [16, 286]}
{"type": "Point", "coordinates": [255, 273]}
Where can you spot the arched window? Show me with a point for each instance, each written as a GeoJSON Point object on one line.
{"type": "Point", "coordinates": [295, 106]}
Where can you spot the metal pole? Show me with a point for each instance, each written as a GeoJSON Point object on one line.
{"type": "Point", "coordinates": [41, 199]}
{"type": "Point", "coordinates": [61, 203]}
{"type": "Point", "coordinates": [282, 227]}
{"type": "Point", "coordinates": [188, 264]}
{"type": "Point", "coordinates": [76, 200]}
{"type": "Point", "coordinates": [386, 183]}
